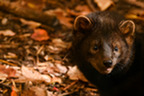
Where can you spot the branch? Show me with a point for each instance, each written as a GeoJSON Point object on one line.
{"type": "Point", "coordinates": [28, 13]}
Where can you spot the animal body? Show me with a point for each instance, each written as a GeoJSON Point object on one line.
{"type": "Point", "coordinates": [109, 53]}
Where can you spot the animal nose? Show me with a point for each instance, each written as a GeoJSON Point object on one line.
{"type": "Point", "coordinates": [107, 63]}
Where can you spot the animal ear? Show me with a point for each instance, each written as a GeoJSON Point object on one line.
{"type": "Point", "coordinates": [127, 27]}
{"type": "Point", "coordinates": [82, 23]}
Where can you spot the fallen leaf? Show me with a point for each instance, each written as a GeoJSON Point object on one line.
{"type": "Point", "coordinates": [57, 46]}
{"type": "Point", "coordinates": [75, 74]}
{"type": "Point", "coordinates": [10, 55]}
{"type": "Point", "coordinates": [49, 93]}
{"type": "Point", "coordinates": [83, 9]}
{"type": "Point", "coordinates": [38, 91]}
{"type": "Point", "coordinates": [7, 32]}
{"type": "Point", "coordinates": [4, 21]}
{"type": "Point", "coordinates": [28, 92]}
{"type": "Point", "coordinates": [55, 70]}
{"type": "Point", "coordinates": [40, 35]}
{"type": "Point", "coordinates": [31, 24]}
{"type": "Point", "coordinates": [56, 79]}
{"type": "Point", "coordinates": [104, 4]}
{"type": "Point", "coordinates": [13, 93]}
{"type": "Point", "coordinates": [79, 10]}
{"type": "Point", "coordinates": [65, 20]}
{"type": "Point", "coordinates": [3, 76]}
{"type": "Point", "coordinates": [57, 42]}
{"type": "Point", "coordinates": [53, 49]}
{"type": "Point", "coordinates": [33, 75]}
{"type": "Point", "coordinates": [10, 72]}
{"type": "Point", "coordinates": [62, 17]}
{"type": "Point", "coordinates": [62, 69]}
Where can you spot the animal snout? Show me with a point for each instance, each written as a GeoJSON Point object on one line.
{"type": "Point", "coordinates": [107, 63]}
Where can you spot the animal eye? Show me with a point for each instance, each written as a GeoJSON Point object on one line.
{"type": "Point", "coordinates": [95, 47]}
{"type": "Point", "coordinates": [116, 48]}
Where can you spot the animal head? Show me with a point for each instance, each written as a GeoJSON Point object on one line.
{"type": "Point", "coordinates": [103, 41]}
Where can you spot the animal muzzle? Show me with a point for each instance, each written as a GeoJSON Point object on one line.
{"type": "Point", "coordinates": [108, 63]}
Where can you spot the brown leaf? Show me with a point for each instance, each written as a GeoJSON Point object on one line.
{"type": "Point", "coordinates": [75, 74]}
{"type": "Point", "coordinates": [52, 69]}
{"type": "Point", "coordinates": [10, 72]}
{"type": "Point", "coordinates": [38, 91]}
{"type": "Point", "coordinates": [62, 17]}
{"type": "Point", "coordinates": [33, 75]}
{"type": "Point", "coordinates": [7, 32]}
{"type": "Point", "coordinates": [104, 4]}
{"type": "Point", "coordinates": [34, 91]}
{"type": "Point", "coordinates": [57, 46]}
{"type": "Point", "coordinates": [28, 92]}
{"type": "Point", "coordinates": [56, 79]}
{"type": "Point", "coordinates": [40, 35]}
{"type": "Point", "coordinates": [79, 10]}
{"type": "Point", "coordinates": [62, 69]}
{"type": "Point", "coordinates": [59, 43]}
{"type": "Point", "coordinates": [31, 24]}
{"type": "Point", "coordinates": [4, 21]}
{"type": "Point", "coordinates": [83, 9]}
{"type": "Point", "coordinates": [10, 55]}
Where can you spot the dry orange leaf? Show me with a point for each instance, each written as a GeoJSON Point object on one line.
{"type": "Point", "coordinates": [63, 18]}
{"type": "Point", "coordinates": [79, 10]}
{"type": "Point", "coordinates": [84, 9]}
{"type": "Point", "coordinates": [10, 72]}
{"type": "Point", "coordinates": [40, 35]}
{"type": "Point", "coordinates": [13, 93]}
{"type": "Point", "coordinates": [103, 4]}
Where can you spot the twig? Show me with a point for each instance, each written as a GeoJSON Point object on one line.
{"type": "Point", "coordinates": [136, 3]}
{"type": "Point", "coordinates": [9, 46]}
{"type": "Point", "coordinates": [67, 87]}
{"type": "Point", "coordinates": [6, 62]}
{"type": "Point", "coordinates": [40, 49]}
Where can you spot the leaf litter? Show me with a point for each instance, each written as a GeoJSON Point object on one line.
{"type": "Point", "coordinates": [34, 57]}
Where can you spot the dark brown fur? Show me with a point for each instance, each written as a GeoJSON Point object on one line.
{"type": "Point", "coordinates": [107, 31]}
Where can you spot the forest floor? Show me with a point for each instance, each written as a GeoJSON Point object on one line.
{"type": "Point", "coordinates": [36, 37]}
